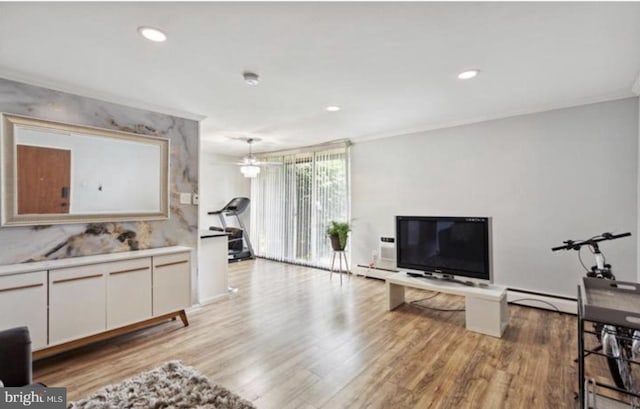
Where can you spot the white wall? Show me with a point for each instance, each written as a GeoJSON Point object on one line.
{"type": "Point", "coordinates": [220, 181]}
{"type": "Point", "coordinates": [637, 91]}
{"type": "Point", "coordinates": [544, 178]}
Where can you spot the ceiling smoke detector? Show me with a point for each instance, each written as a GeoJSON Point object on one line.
{"type": "Point", "coordinates": [250, 78]}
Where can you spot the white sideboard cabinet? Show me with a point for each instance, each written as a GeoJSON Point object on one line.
{"type": "Point", "coordinates": [72, 302]}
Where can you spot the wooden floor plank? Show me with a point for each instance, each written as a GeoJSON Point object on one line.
{"type": "Point", "coordinates": [292, 338]}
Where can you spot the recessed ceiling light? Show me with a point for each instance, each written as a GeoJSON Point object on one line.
{"type": "Point", "coordinates": [333, 108]}
{"type": "Point", "coordinates": [250, 78]}
{"type": "Point", "coordinates": [466, 75]}
{"type": "Point", "coordinates": [152, 34]}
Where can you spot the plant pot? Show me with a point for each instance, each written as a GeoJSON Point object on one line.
{"type": "Point", "coordinates": [335, 243]}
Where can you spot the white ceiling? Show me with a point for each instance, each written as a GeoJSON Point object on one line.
{"type": "Point", "coordinates": [391, 66]}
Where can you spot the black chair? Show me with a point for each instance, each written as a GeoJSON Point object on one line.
{"type": "Point", "coordinates": [15, 357]}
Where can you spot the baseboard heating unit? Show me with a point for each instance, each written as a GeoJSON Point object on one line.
{"type": "Point", "coordinates": [544, 301]}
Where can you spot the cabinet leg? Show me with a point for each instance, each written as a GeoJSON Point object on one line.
{"type": "Point", "coordinates": [183, 317]}
{"type": "Point", "coordinates": [395, 295]}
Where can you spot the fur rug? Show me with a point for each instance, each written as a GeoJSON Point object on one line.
{"type": "Point", "coordinates": [173, 385]}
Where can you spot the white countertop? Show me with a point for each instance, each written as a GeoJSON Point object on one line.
{"type": "Point", "coordinates": [211, 233]}
{"type": "Point", "coordinates": [84, 260]}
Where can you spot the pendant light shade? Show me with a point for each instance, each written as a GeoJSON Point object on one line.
{"type": "Point", "coordinates": [250, 171]}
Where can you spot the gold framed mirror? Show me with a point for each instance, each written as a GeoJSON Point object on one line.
{"type": "Point", "coordinates": [57, 173]}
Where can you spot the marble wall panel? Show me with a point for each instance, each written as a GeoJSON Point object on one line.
{"type": "Point", "coordinates": [24, 244]}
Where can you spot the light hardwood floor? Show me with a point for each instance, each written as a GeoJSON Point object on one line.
{"type": "Point", "coordinates": [292, 338]}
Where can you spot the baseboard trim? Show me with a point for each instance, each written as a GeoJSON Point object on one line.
{"type": "Point", "coordinates": [542, 301]}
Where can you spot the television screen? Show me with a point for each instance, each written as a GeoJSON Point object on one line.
{"type": "Point", "coordinates": [448, 245]}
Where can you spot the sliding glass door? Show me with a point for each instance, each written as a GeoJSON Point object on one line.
{"type": "Point", "coordinates": [293, 204]}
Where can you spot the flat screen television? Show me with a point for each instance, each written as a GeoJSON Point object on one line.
{"type": "Point", "coordinates": [452, 246]}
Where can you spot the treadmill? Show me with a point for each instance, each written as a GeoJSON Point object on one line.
{"type": "Point", "coordinates": [239, 243]}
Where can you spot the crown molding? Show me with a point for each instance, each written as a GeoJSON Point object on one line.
{"type": "Point", "coordinates": [13, 75]}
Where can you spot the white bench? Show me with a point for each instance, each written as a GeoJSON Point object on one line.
{"type": "Point", "coordinates": [486, 309]}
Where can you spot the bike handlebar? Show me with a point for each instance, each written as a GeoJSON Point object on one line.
{"type": "Point", "coordinates": [575, 245]}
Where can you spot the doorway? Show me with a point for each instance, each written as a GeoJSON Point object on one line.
{"type": "Point", "coordinates": [44, 180]}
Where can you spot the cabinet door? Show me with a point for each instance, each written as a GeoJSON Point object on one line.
{"type": "Point", "coordinates": [77, 302]}
{"type": "Point", "coordinates": [128, 292]}
{"type": "Point", "coordinates": [23, 302]}
{"type": "Point", "coordinates": [171, 283]}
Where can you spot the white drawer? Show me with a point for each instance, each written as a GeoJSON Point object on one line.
{"type": "Point", "coordinates": [77, 302]}
{"type": "Point", "coordinates": [171, 283]}
{"type": "Point", "coordinates": [23, 302]}
{"type": "Point", "coordinates": [128, 292]}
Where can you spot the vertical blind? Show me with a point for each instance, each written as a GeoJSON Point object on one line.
{"type": "Point", "coordinates": [293, 204]}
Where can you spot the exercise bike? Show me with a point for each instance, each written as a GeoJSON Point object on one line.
{"type": "Point", "coordinates": [620, 344]}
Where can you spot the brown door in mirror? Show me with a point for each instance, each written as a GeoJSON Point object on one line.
{"type": "Point", "coordinates": [44, 176]}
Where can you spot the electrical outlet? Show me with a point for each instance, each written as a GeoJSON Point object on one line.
{"type": "Point", "coordinates": [196, 199]}
{"type": "Point", "coordinates": [185, 198]}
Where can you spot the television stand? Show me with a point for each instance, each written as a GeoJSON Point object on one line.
{"type": "Point", "coordinates": [445, 277]}
{"type": "Point", "coordinates": [486, 308]}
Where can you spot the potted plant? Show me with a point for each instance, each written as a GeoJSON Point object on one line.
{"type": "Point", "coordinates": [338, 232]}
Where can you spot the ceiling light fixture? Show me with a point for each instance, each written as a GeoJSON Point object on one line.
{"type": "Point", "coordinates": [250, 78]}
{"type": "Point", "coordinates": [333, 108]}
{"type": "Point", "coordinates": [467, 75]}
{"type": "Point", "coordinates": [152, 34]}
{"type": "Point", "coordinates": [250, 171]}
{"type": "Point", "coordinates": [249, 167]}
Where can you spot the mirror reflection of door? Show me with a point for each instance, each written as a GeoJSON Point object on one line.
{"type": "Point", "coordinates": [44, 179]}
